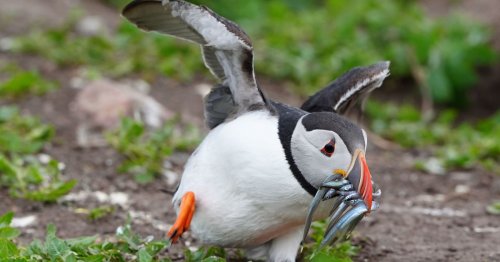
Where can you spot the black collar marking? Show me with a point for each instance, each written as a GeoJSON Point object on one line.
{"type": "Point", "coordinates": [288, 119]}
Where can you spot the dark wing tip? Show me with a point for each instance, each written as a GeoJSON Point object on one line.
{"type": "Point", "coordinates": [135, 3]}
{"type": "Point", "coordinates": [349, 89]}
{"type": "Point", "coordinates": [381, 66]}
{"type": "Point", "coordinates": [372, 73]}
{"type": "Point", "coordinates": [378, 69]}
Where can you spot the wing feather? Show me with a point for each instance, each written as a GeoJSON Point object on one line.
{"type": "Point", "coordinates": [227, 50]}
{"type": "Point", "coordinates": [212, 62]}
{"type": "Point", "coordinates": [349, 91]}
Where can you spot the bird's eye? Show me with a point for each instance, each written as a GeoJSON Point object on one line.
{"type": "Point", "coordinates": [329, 148]}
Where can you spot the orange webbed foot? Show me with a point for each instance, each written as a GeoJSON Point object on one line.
{"type": "Point", "coordinates": [183, 220]}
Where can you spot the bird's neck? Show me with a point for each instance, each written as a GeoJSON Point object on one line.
{"type": "Point", "coordinates": [288, 119]}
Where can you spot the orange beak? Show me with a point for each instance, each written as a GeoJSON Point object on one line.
{"type": "Point", "coordinates": [361, 178]}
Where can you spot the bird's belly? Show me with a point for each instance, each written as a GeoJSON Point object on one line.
{"type": "Point", "coordinates": [237, 228]}
{"type": "Point", "coordinates": [245, 192]}
{"type": "Point", "coordinates": [247, 222]}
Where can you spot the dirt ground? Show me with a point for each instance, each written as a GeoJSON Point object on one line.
{"type": "Point", "coordinates": [423, 217]}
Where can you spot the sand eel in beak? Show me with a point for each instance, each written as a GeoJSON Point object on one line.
{"type": "Point", "coordinates": [251, 181]}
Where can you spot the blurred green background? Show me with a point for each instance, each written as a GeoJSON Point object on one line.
{"type": "Point", "coordinates": [303, 45]}
{"type": "Point", "coordinates": [441, 99]}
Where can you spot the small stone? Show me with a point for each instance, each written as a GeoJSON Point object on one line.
{"type": "Point", "coordinates": [90, 25]}
{"type": "Point", "coordinates": [101, 196]}
{"type": "Point", "coordinates": [44, 158]}
{"type": "Point", "coordinates": [171, 177]}
{"type": "Point", "coordinates": [462, 189]}
{"type": "Point", "coordinates": [61, 166]}
{"type": "Point", "coordinates": [120, 230]}
{"type": "Point", "coordinates": [119, 198]}
{"type": "Point", "coordinates": [23, 221]}
{"type": "Point", "coordinates": [486, 229]}
{"type": "Point", "coordinates": [141, 86]}
{"type": "Point", "coordinates": [77, 83]}
{"type": "Point", "coordinates": [6, 44]}
{"type": "Point", "coordinates": [101, 104]}
{"type": "Point", "coordinates": [434, 166]}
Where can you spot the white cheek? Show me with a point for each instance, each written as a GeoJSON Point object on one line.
{"type": "Point", "coordinates": [341, 158]}
{"type": "Point", "coordinates": [313, 166]}
{"type": "Point", "coordinates": [306, 152]}
{"type": "Point", "coordinates": [308, 158]}
{"type": "Point", "coordinates": [365, 137]}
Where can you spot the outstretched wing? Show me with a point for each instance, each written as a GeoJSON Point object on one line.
{"type": "Point", "coordinates": [349, 91]}
{"type": "Point", "coordinates": [227, 50]}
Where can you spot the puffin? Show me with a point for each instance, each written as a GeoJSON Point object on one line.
{"type": "Point", "coordinates": [250, 182]}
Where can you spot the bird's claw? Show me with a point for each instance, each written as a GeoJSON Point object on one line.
{"type": "Point", "coordinates": [347, 210]}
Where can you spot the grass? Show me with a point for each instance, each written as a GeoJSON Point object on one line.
{"type": "Point", "coordinates": [20, 83]}
{"type": "Point", "coordinates": [21, 170]}
{"type": "Point", "coordinates": [330, 37]}
{"type": "Point", "coordinates": [494, 208]}
{"type": "Point", "coordinates": [456, 146]}
{"type": "Point", "coordinates": [128, 246]}
{"type": "Point", "coordinates": [145, 150]}
{"type": "Point", "coordinates": [97, 212]}
{"type": "Point", "coordinates": [326, 39]}
{"type": "Point", "coordinates": [29, 179]}
{"type": "Point", "coordinates": [124, 52]}
{"type": "Point", "coordinates": [342, 252]}
{"type": "Point", "coordinates": [22, 134]}
{"type": "Point", "coordinates": [206, 254]}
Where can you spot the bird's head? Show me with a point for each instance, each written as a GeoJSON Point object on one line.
{"type": "Point", "coordinates": [324, 143]}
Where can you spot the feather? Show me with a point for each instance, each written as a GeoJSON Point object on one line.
{"type": "Point", "coordinates": [349, 91]}
{"type": "Point", "coordinates": [227, 50]}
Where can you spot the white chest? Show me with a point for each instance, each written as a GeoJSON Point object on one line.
{"type": "Point", "coordinates": [245, 191]}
